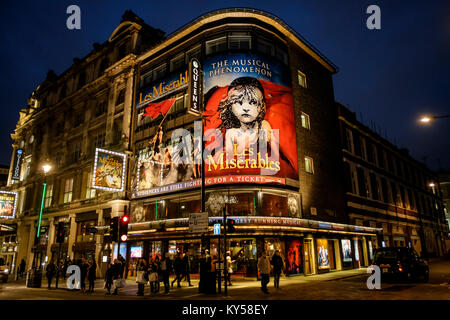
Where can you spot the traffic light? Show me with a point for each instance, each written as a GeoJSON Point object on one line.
{"type": "Point", "coordinates": [230, 226]}
{"type": "Point", "coordinates": [114, 229]}
{"type": "Point", "coordinates": [123, 228]}
{"type": "Point", "coordinates": [60, 233]}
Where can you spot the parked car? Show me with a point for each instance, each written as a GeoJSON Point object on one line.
{"type": "Point", "coordinates": [400, 263]}
{"type": "Point", "coordinates": [4, 271]}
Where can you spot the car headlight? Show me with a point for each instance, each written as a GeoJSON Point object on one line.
{"type": "Point", "coordinates": [6, 270]}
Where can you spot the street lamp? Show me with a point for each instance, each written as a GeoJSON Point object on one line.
{"type": "Point", "coordinates": [46, 167]}
{"type": "Point", "coordinates": [428, 119]}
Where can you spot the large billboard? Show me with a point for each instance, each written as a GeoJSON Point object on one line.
{"type": "Point", "coordinates": [248, 98]}
{"type": "Point", "coordinates": [249, 130]}
{"type": "Point", "coordinates": [109, 170]}
{"type": "Point", "coordinates": [8, 201]}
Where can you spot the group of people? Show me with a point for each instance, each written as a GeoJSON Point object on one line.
{"type": "Point", "coordinates": [158, 270]}
{"type": "Point", "coordinates": [88, 269]}
{"type": "Point", "coordinates": [264, 267]}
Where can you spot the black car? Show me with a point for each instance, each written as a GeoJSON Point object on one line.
{"type": "Point", "coordinates": [400, 263]}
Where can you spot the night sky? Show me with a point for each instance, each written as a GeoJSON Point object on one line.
{"type": "Point", "coordinates": [389, 76]}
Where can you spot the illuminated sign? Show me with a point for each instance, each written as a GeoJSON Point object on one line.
{"type": "Point", "coordinates": [17, 165]}
{"type": "Point", "coordinates": [194, 91]}
{"type": "Point", "coordinates": [109, 170]}
{"type": "Point", "coordinates": [322, 254]}
{"type": "Point", "coordinates": [136, 252]}
{"type": "Point", "coordinates": [167, 86]}
{"type": "Point", "coordinates": [346, 250]}
{"type": "Point", "coordinates": [8, 203]}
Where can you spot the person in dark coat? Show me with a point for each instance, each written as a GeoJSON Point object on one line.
{"type": "Point", "coordinates": [122, 266]}
{"type": "Point", "coordinates": [117, 271]}
{"type": "Point", "coordinates": [178, 268]}
{"type": "Point", "coordinates": [166, 267]}
{"type": "Point", "coordinates": [92, 275]}
{"type": "Point", "coordinates": [22, 268]}
{"type": "Point", "coordinates": [186, 269]}
{"type": "Point", "coordinates": [277, 263]}
{"type": "Point", "coordinates": [109, 275]}
{"type": "Point", "coordinates": [50, 273]}
{"type": "Point", "coordinates": [67, 263]}
{"type": "Point", "coordinates": [83, 273]}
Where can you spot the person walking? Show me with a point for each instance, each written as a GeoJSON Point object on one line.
{"type": "Point", "coordinates": [277, 263]}
{"type": "Point", "coordinates": [50, 273]}
{"type": "Point", "coordinates": [166, 267]}
{"type": "Point", "coordinates": [141, 277]}
{"type": "Point", "coordinates": [67, 263]}
{"type": "Point", "coordinates": [153, 275]}
{"type": "Point", "coordinates": [83, 273]}
{"type": "Point", "coordinates": [177, 266]}
{"type": "Point", "coordinates": [92, 275]}
{"type": "Point", "coordinates": [229, 268]}
{"type": "Point", "coordinates": [186, 269]}
{"type": "Point", "coordinates": [264, 269]}
{"type": "Point", "coordinates": [22, 268]}
{"type": "Point", "coordinates": [117, 272]}
{"type": "Point", "coordinates": [109, 275]}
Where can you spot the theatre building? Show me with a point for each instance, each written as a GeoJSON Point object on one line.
{"type": "Point", "coordinates": [257, 74]}
{"type": "Point", "coordinates": [67, 117]}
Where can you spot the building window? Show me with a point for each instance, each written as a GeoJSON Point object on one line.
{"type": "Point", "coordinates": [120, 97]}
{"type": "Point", "coordinates": [177, 63]}
{"type": "Point", "coordinates": [100, 108]}
{"type": "Point", "coordinates": [301, 79]}
{"type": "Point", "coordinates": [363, 148]}
{"type": "Point", "coordinates": [78, 119]}
{"type": "Point", "coordinates": [266, 47]}
{"type": "Point", "coordinates": [282, 55]}
{"type": "Point", "coordinates": [81, 80]}
{"type": "Point", "coordinates": [216, 45]}
{"type": "Point", "coordinates": [349, 138]}
{"type": "Point", "coordinates": [362, 182]}
{"type": "Point", "coordinates": [84, 231]}
{"type": "Point", "coordinates": [242, 42]}
{"type": "Point", "coordinates": [99, 140]}
{"type": "Point", "coordinates": [354, 180]}
{"type": "Point", "coordinates": [309, 165]}
{"type": "Point", "coordinates": [76, 152]}
{"type": "Point", "coordinates": [305, 121]}
{"type": "Point", "coordinates": [193, 53]}
{"type": "Point", "coordinates": [68, 189]}
{"type": "Point", "coordinates": [159, 72]}
{"type": "Point", "coordinates": [90, 192]}
{"type": "Point", "coordinates": [48, 196]}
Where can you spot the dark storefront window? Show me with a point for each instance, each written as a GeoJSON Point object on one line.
{"type": "Point", "coordinates": [274, 205]}
{"type": "Point", "coordinates": [83, 231]}
{"type": "Point", "coordinates": [245, 204]}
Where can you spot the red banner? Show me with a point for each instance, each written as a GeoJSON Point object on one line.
{"type": "Point", "coordinates": [154, 109]}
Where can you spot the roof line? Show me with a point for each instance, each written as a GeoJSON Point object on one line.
{"type": "Point", "coordinates": [258, 11]}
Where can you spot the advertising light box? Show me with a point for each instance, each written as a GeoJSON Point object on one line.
{"type": "Point", "coordinates": [109, 170]}
{"type": "Point", "coordinates": [8, 202]}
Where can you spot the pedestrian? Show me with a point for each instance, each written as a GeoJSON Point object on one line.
{"type": "Point", "coordinates": [166, 267]}
{"type": "Point", "coordinates": [141, 277]}
{"type": "Point", "coordinates": [59, 270]}
{"type": "Point", "coordinates": [229, 268]}
{"type": "Point", "coordinates": [122, 266]}
{"type": "Point", "coordinates": [153, 275]}
{"type": "Point", "coordinates": [264, 269]}
{"type": "Point", "coordinates": [50, 273]}
{"type": "Point", "coordinates": [277, 263]}
{"type": "Point", "coordinates": [67, 263]}
{"type": "Point", "coordinates": [22, 268]}
{"type": "Point", "coordinates": [83, 273]}
{"type": "Point", "coordinates": [109, 276]}
{"type": "Point", "coordinates": [177, 266]}
{"type": "Point", "coordinates": [117, 275]}
{"type": "Point", "coordinates": [92, 274]}
{"type": "Point", "coordinates": [186, 269]}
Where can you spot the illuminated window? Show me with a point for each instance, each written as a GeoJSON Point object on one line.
{"type": "Point", "coordinates": [305, 121]}
{"type": "Point", "coordinates": [90, 192]}
{"type": "Point", "coordinates": [48, 196]}
{"type": "Point", "coordinates": [68, 189]}
{"type": "Point", "coordinates": [301, 79]}
{"type": "Point", "coordinates": [309, 166]}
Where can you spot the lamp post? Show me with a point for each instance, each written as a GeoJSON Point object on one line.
{"type": "Point", "coordinates": [46, 168]}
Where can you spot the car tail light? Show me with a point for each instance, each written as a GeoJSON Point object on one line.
{"type": "Point", "coordinates": [400, 269]}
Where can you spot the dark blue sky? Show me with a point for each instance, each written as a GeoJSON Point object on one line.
{"type": "Point", "coordinates": [390, 76]}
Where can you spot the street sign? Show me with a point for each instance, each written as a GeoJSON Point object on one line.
{"type": "Point", "coordinates": [217, 228]}
{"type": "Point", "coordinates": [198, 222]}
